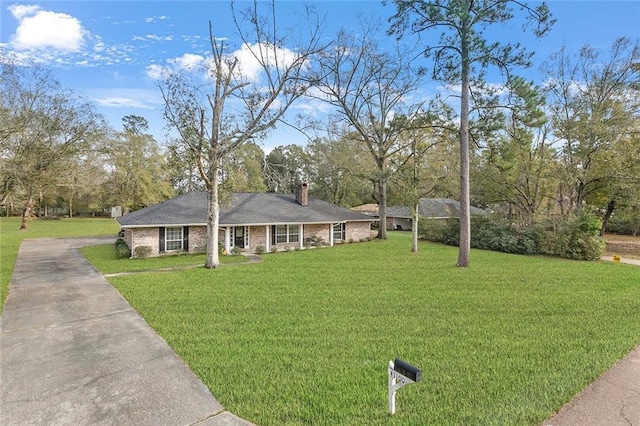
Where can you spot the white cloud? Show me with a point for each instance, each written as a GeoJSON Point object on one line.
{"type": "Point", "coordinates": [155, 72]}
{"type": "Point", "coordinates": [186, 62]}
{"type": "Point", "coordinates": [155, 18]}
{"type": "Point", "coordinates": [126, 98]}
{"type": "Point", "coordinates": [153, 37]}
{"type": "Point", "coordinates": [19, 11]}
{"type": "Point", "coordinates": [120, 102]}
{"type": "Point", "coordinates": [250, 67]}
{"type": "Point", "coordinates": [159, 38]}
{"type": "Point", "coordinates": [40, 29]}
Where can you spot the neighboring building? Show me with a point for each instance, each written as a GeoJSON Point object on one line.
{"type": "Point", "coordinates": [251, 220]}
{"type": "Point", "coordinates": [399, 217]}
{"type": "Point", "coordinates": [368, 209]}
{"type": "Point", "coordinates": [116, 211]}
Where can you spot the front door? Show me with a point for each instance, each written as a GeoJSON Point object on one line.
{"type": "Point", "coordinates": [238, 236]}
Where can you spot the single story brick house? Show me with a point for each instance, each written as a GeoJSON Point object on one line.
{"type": "Point", "coordinates": [251, 220]}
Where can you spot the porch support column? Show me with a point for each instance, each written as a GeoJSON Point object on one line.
{"type": "Point", "coordinates": [301, 236]}
{"type": "Point", "coordinates": [227, 240]}
{"type": "Point", "coordinates": [267, 238]}
{"type": "Point", "coordinates": [331, 235]}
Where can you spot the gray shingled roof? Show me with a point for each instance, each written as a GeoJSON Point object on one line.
{"type": "Point", "coordinates": [433, 208]}
{"type": "Point", "coordinates": [245, 209]}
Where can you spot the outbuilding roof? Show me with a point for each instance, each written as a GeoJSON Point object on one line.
{"type": "Point", "coordinates": [433, 208]}
{"type": "Point", "coordinates": [244, 209]}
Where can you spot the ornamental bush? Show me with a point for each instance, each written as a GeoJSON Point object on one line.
{"type": "Point", "coordinates": [434, 230]}
{"type": "Point", "coordinates": [122, 249]}
{"type": "Point", "coordinates": [500, 235]}
{"type": "Point", "coordinates": [142, 251]}
{"type": "Point", "coordinates": [579, 238]}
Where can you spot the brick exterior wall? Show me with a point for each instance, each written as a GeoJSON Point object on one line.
{"type": "Point", "coordinates": [257, 237]}
{"type": "Point", "coordinates": [145, 237]}
{"type": "Point", "coordinates": [128, 237]}
{"type": "Point", "coordinates": [318, 231]}
{"type": "Point", "coordinates": [137, 237]}
{"type": "Point", "coordinates": [357, 231]}
{"type": "Point", "coordinates": [197, 239]}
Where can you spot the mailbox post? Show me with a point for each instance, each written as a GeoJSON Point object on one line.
{"type": "Point", "coordinates": [400, 374]}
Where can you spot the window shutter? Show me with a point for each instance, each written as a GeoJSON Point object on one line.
{"type": "Point", "coordinates": [344, 231]}
{"type": "Point", "coordinates": [273, 234]}
{"type": "Point", "coordinates": [161, 246]}
{"type": "Point", "coordinates": [185, 238]}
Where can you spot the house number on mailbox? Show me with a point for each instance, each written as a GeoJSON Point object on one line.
{"type": "Point", "coordinates": [401, 373]}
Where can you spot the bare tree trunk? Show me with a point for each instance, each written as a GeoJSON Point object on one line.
{"type": "Point", "coordinates": [212, 260]}
{"type": "Point", "coordinates": [414, 228]}
{"type": "Point", "coordinates": [465, 214]}
{"type": "Point", "coordinates": [382, 205]}
{"type": "Point", "coordinates": [41, 203]}
{"type": "Point", "coordinates": [26, 212]}
{"type": "Point", "coordinates": [605, 220]}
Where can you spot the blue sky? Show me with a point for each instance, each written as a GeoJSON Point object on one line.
{"type": "Point", "coordinates": [107, 51]}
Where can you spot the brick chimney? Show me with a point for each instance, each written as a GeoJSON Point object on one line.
{"type": "Point", "coordinates": [302, 194]}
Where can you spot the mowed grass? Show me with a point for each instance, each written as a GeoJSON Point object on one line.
{"type": "Point", "coordinates": [305, 337]}
{"type": "Point", "coordinates": [104, 259]}
{"type": "Point", "coordinates": [11, 237]}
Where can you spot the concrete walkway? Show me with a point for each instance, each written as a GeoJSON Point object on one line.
{"type": "Point", "coordinates": [623, 260]}
{"type": "Point", "coordinates": [74, 352]}
{"type": "Point", "coordinates": [613, 399]}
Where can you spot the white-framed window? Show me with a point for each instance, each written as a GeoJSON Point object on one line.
{"type": "Point", "coordinates": [294, 233]}
{"type": "Point", "coordinates": [285, 234]}
{"type": "Point", "coordinates": [338, 231]}
{"type": "Point", "coordinates": [173, 238]}
{"type": "Point", "coordinates": [280, 234]}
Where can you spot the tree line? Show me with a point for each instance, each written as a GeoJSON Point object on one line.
{"type": "Point", "coordinates": [526, 151]}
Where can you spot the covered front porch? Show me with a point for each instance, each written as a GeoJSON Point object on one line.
{"type": "Point", "coordinates": [282, 236]}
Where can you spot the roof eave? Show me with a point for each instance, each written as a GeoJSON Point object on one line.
{"type": "Point", "coordinates": [223, 225]}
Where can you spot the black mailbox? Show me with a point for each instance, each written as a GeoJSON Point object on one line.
{"type": "Point", "coordinates": [407, 370]}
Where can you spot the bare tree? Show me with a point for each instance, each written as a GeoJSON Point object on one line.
{"type": "Point", "coordinates": [461, 57]}
{"type": "Point", "coordinates": [368, 88]}
{"type": "Point", "coordinates": [237, 102]}
{"type": "Point", "coordinates": [594, 101]}
{"type": "Point", "coordinates": [417, 173]}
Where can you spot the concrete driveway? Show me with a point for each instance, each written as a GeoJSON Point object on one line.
{"type": "Point", "coordinates": [74, 352]}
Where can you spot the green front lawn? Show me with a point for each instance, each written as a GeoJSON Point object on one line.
{"type": "Point", "coordinates": [305, 337]}
{"type": "Point", "coordinates": [11, 237]}
{"type": "Point", "coordinates": [104, 259]}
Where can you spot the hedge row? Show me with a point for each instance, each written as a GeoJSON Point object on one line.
{"type": "Point", "coordinates": [576, 238]}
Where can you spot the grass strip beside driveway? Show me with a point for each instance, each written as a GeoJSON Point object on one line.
{"type": "Point", "coordinates": [305, 337]}
{"type": "Point", "coordinates": [103, 257]}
